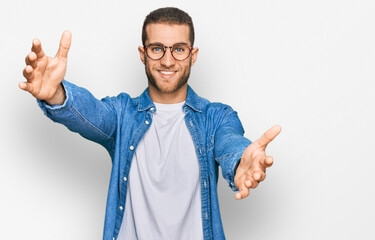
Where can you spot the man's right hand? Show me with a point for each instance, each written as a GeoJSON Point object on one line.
{"type": "Point", "coordinates": [44, 74]}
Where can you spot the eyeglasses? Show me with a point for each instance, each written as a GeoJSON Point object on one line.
{"type": "Point", "coordinates": [179, 51]}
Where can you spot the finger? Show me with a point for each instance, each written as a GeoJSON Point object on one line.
{"type": "Point", "coordinates": [37, 48]}
{"type": "Point", "coordinates": [239, 180]}
{"type": "Point", "coordinates": [65, 42]}
{"type": "Point", "coordinates": [26, 86]}
{"type": "Point", "coordinates": [31, 59]}
{"type": "Point", "coordinates": [267, 161]}
{"type": "Point", "coordinates": [259, 176]}
{"type": "Point", "coordinates": [244, 192]}
{"type": "Point", "coordinates": [254, 183]}
{"type": "Point", "coordinates": [28, 72]}
{"type": "Point", "coordinates": [269, 135]}
{"type": "Point", "coordinates": [248, 183]}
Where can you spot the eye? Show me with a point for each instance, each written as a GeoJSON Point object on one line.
{"type": "Point", "coordinates": [179, 49]}
{"type": "Point", "coordinates": [156, 49]}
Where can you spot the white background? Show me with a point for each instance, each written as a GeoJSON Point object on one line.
{"type": "Point", "coordinates": [306, 65]}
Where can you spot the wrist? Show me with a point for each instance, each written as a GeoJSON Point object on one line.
{"type": "Point", "coordinates": [58, 98]}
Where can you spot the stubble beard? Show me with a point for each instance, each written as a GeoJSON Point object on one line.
{"type": "Point", "coordinates": [180, 82]}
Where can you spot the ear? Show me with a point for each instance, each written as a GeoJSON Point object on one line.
{"type": "Point", "coordinates": [141, 51]}
{"type": "Point", "coordinates": [194, 55]}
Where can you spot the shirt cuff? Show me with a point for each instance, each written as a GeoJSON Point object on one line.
{"type": "Point", "coordinates": [232, 171]}
{"type": "Point", "coordinates": [46, 108]}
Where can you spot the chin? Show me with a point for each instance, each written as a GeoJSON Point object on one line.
{"type": "Point", "coordinates": [167, 87]}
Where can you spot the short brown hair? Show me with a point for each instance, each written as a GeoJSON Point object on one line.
{"type": "Point", "coordinates": [168, 15]}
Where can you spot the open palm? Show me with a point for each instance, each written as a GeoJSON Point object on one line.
{"type": "Point", "coordinates": [44, 74]}
{"type": "Point", "coordinates": [253, 164]}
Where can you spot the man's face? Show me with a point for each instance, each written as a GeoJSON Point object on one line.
{"type": "Point", "coordinates": [167, 75]}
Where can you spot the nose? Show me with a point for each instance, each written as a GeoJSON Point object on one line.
{"type": "Point", "coordinates": [167, 60]}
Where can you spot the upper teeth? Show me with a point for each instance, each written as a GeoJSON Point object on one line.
{"type": "Point", "coordinates": [166, 73]}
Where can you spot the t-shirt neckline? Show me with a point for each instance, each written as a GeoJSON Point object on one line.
{"type": "Point", "coordinates": [169, 107]}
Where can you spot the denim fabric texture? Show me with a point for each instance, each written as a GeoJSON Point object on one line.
{"type": "Point", "coordinates": [119, 123]}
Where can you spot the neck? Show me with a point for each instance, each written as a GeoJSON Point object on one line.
{"type": "Point", "coordinates": [168, 98]}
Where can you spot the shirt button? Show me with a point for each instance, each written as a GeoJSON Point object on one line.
{"type": "Point", "coordinates": [131, 148]}
{"type": "Point", "coordinates": [121, 208]}
{"type": "Point", "coordinates": [147, 122]}
{"type": "Point", "coordinates": [125, 179]}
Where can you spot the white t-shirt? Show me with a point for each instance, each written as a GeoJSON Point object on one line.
{"type": "Point", "coordinates": [164, 195]}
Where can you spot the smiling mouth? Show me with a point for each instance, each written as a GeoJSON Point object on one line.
{"type": "Point", "coordinates": [166, 72]}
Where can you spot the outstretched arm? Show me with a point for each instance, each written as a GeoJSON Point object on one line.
{"type": "Point", "coordinates": [253, 164]}
{"type": "Point", "coordinates": [44, 74]}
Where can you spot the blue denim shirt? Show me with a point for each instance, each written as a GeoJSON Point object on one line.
{"type": "Point", "coordinates": [119, 123]}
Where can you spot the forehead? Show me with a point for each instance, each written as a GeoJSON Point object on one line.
{"type": "Point", "coordinates": [167, 34]}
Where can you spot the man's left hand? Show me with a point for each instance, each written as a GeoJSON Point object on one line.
{"type": "Point", "coordinates": [252, 168]}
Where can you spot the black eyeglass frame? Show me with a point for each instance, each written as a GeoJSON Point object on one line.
{"type": "Point", "coordinates": [170, 47]}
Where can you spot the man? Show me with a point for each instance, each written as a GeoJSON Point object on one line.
{"type": "Point", "coordinates": [166, 145]}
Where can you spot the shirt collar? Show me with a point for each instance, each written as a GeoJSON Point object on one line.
{"type": "Point", "coordinates": [192, 100]}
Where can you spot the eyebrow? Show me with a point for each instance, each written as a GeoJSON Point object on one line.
{"type": "Point", "coordinates": [172, 45]}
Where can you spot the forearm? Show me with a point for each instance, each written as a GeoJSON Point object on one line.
{"type": "Point", "coordinates": [230, 160]}
{"type": "Point", "coordinates": [81, 112]}
{"type": "Point", "coordinates": [230, 145]}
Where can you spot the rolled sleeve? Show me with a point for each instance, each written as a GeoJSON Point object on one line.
{"type": "Point", "coordinates": [47, 109]}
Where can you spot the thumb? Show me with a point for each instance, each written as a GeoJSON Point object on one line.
{"type": "Point", "coordinates": [269, 135]}
{"type": "Point", "coordinates": [65, 42]}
